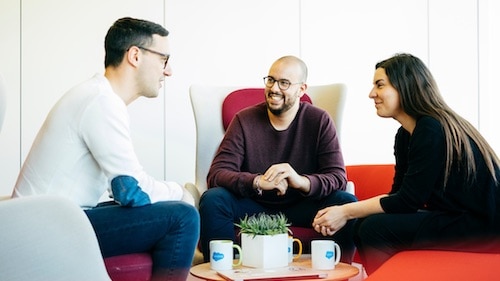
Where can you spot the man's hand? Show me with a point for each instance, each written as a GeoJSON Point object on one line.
{"type": "Point", "coordinates": [284, 172]}
{"type": "Point", "coordinates": [281, 186]}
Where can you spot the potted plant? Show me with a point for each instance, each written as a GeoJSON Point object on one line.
{"type": "Point", "coordinates": [264, 240]}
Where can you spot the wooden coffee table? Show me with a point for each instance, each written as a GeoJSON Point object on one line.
{"type": "Point", "coordinates": [342, 271]}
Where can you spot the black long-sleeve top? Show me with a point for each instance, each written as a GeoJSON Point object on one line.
{"type": "Point", "coordinates": [419, 179]}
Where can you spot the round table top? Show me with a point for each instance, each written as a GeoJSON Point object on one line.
{"type": "Point", "coordinates": [342, 271]}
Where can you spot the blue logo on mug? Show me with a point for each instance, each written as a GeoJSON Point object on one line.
{"type": "Point", "coordinates": [329, 254]}
{"type": "Point", "coordinates": [217, 256]}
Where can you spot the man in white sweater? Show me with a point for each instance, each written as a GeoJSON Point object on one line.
{"type": "Point", "coordinates": [84, 148]}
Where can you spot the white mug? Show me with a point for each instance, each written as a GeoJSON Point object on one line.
{"type": "Point", "coordinates": [291, 256]}
{"type": "Point", "coordinates": [221, 254]}
{"type": "Point", "coordinates": [325, 254]}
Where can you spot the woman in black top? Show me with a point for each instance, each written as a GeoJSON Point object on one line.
{"type": "Point", "coordinates": [445, 193]}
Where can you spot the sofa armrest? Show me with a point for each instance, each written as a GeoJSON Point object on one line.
{"type": "Point", "coordinates": [191, 188]}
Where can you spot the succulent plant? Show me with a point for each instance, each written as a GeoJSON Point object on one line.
{"type": "Point", "coordinates": [264, 224]}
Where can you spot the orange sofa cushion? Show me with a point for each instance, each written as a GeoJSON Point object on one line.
{"type": "Point", "coordinates": [370, 179]}
{"type": "Point", "coordinates": [431, 265]}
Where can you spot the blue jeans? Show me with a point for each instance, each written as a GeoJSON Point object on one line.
{"type": "Point", "coordinates": [169, 231]}
{"type": "Point", "coordinates": [220, 209]}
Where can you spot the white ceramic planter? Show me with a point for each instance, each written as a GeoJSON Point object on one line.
{"type": "Point", "coordinates": [265, 251]}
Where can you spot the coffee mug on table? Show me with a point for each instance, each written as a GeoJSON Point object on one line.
{"type": "Point", "coordinates": [325, 254]}
{"type": "Point", "coordinates": [221, 254]}
{"type": "Point", "coordinates": [291, 256]}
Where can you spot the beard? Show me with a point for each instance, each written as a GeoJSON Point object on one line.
{"type": "Point", "coordinates": [288, 102]}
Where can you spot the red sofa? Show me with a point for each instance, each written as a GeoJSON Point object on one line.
{"type": "Point", "coordinates": [428, 265]}
{"type": "Point", "coordinates": [431, 265]}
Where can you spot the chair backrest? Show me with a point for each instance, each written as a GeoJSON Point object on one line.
{"type": "Point", "coordinates": [243, 98]}
{"type": "Point", "coordinates": [207, 104]}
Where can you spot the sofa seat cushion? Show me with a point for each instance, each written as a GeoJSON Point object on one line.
{"type": "Point", "coordinates": [130, 267]}
{"type": "Point", "coordinates": [431, 265]}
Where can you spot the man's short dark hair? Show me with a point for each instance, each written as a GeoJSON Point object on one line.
{"type": "Point", "coordinates": [128, 32]}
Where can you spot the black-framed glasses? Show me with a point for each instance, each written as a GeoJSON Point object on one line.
{"type": "Point", "coordinates": [283, 84]}
{"type": "Point", "coordinates": [165, 56]}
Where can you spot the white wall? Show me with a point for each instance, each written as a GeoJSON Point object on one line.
{"type": "Point", "coordinates": [221, 42]}
{"type": "Point", "coordinates": [342, 41]}
{"type": "Point", "coordinates": [10, 49]}
{"type": "Point", "coordinates": [489, 72]}
{"type": "Point", "coordinates": [51, 50]}
{"type": "Point", "coordinates": [45, 51]}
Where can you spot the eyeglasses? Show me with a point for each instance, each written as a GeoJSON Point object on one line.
{"type": "Point", "coordinates": [165, 56]}
{"type": "Point", "coordinates": [283, 84]}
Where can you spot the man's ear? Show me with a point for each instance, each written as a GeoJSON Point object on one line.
{"type": "Point", "coordinates": [133, 55]}
{"type": "Point", "coordinates": [303, 89]}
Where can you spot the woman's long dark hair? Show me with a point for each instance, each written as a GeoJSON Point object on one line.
{"type": "Point", "coordinates": [420, 96]}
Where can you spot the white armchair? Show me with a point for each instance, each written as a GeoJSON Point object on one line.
{"type": "Point", "coordinates": [48, 238]}
{"type": "Point", "coordinates": [207, 108]}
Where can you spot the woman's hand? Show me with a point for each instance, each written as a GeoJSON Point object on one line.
{"type": "Point", "coordinates": [329, 220]}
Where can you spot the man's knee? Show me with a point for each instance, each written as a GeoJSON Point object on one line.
{"type": "Point", "coordinates": [175, 211]}
{"type": "Point", "coordinates": [214, 197]}
{"type": "Point", "coordinates": [190, 213]}
{"type": "Point", "coordinates": [346, 197]}
{"type": "Point", "coordinates": [340, 197]}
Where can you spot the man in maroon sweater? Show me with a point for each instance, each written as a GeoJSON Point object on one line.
{"type": "Point", "coordinates": [281, 155]}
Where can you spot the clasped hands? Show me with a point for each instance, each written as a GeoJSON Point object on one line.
{"type": "Point", "coordinates": [281, 177]}
{"type": "Point", "coordinates": [329, 220]}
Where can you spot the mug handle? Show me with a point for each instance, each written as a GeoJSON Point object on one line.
{"type": "Point", "coordinates": [300, 248]}
{"type": "Point", "coordinates": [237, 247]}
{"type": "Point", "coordinates": [337, 253]}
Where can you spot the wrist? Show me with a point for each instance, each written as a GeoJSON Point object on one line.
{"type": "Point", "coordinates": [346, 210]}
{"type": "Point", "coordinates": [256, 185]}
{"type": "Point", "coordinates": [306, 184]}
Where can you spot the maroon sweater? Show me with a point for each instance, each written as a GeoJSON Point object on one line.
{"type": "Point", "coordinates": [251, 145]}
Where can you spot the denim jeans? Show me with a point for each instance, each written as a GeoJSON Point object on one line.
{"type": "Point", "coordinates": [169, 231]}
{"type": "Point", "coordinates": [220, 209]}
